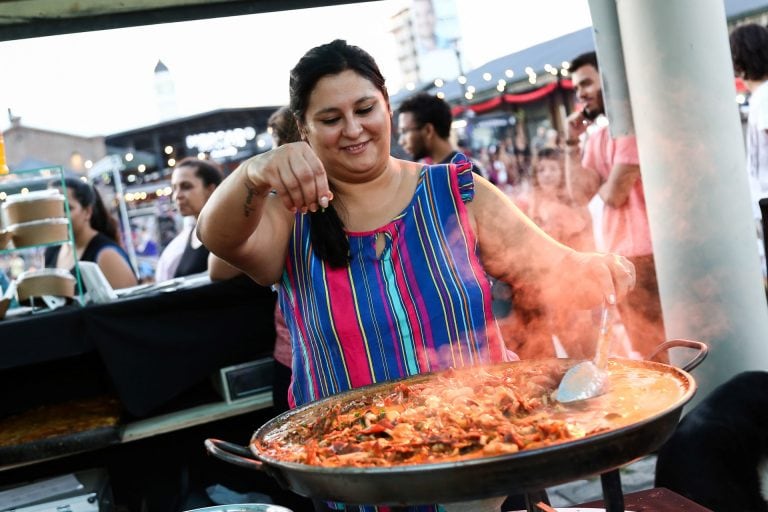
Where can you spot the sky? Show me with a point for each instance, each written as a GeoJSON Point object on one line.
{"type": "Point", "coordinates": [102, 82]}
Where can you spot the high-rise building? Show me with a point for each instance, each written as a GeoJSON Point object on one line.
{"type": "Point", "coordinates": [427, 34]}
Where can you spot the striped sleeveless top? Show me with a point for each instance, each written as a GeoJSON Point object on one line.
{"type": "Point", "coordinates": [423, 305]}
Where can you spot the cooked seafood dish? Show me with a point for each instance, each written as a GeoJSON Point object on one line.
{"type": "Point", "coordinates": [463, 414]}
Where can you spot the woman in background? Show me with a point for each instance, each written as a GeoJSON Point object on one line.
{"type": "Point", "coordinates": [193, 181]}
{"type": "Point", "coordinates": [97, 238]}
{"type": "Point", "coordinates": [548, 205]}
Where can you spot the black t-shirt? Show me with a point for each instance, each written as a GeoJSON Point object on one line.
{"type": "Point", "coordinates": [91, 252]}
{"type": "Point", "coordinates": [193, 261]}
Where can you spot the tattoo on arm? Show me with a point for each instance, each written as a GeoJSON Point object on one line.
{"type": "Point", "coordinates": [247, 208]}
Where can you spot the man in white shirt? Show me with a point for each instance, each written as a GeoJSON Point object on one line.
{"type": "Point", "coordinates": [749, 51]}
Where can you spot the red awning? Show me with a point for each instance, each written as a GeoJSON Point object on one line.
{"type": "Point", "coordinates": [513, 99]}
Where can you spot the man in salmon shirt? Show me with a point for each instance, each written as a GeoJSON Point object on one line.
{"type": "Point", "coordinates": [598, 164]}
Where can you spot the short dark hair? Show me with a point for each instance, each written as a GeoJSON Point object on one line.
{"type": "Point", "coordinates": [585, 59]}
{"type": "Point", "coordinates": [428, 108]}
{"type": "Point", "coordinates": [749, 51]}
{"type": "Point", "coordinates": [209, 172]}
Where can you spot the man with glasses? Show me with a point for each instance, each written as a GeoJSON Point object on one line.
{"type": "Point", "coordinates": [424, 130]}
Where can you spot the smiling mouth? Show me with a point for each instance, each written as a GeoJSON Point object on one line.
{"type": "Point", "coordinates": [355, 148]}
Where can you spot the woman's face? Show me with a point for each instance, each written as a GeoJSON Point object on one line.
{"type": "Point", "coordinates": [81, 217]}
{"type": "Point", "coordinates": [348, 124]}
{"type": "Point", "coordinates": [549, 175]}
{"type": "Point", "coordinates": [189, 192]}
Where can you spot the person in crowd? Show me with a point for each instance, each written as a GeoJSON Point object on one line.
{"type": "Point", "coordinates": [284, 130]}
{"type": "Point", "coordinates": [96, 234]}
{"type": "Point", "coordinates": [424, 127]}
{"type": "Point", "coordinates": [193, 181]}
{"type": "Point", "coordinates": [547, 203]}
{"type": "Point", "coordinates": [521, 150]}
{"type": "Point", "coordinates": [365, 247]}
{"type": "Point", "coordinates": [506, 155]}
{"type": "Point", "coordinates": [749, 52]}
{"type": "Point", "coordinates": [717, 454]}
{"type": "Point", "coordinates": [551, 208]}
{"type": "Point", "coordinates": [609, 167]}
{"type": "Point", "coordinates": [539, 139]}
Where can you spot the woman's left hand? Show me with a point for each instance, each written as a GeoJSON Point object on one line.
{"type": "Point", "coordinates": [597, 277]}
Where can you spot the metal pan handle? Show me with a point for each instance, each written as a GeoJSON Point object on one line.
{"type": "Point", "coordinates": [233, 453]}
{"type": "Point", "coordinates": [702, 348]}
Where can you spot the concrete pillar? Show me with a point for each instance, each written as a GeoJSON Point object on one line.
{"type": "Point", "coordinates": [678, 66]}
{"type": "Point", "coordinates": [610, 58]}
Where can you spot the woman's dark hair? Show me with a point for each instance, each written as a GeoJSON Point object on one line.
{"type": "Point", "coordinates": [326, 229]}
{"type": "Point", "coordinates": [749, 51]}
{"type": "Point", "coordinates": [87, 195]}
{"type": "Point", "coordinates": [208, 172]}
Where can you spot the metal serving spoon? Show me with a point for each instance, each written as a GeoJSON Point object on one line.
{"type": "Point", "coordinates": [588, 379]}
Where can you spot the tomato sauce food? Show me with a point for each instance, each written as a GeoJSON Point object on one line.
{"type": "Point", "coordinates": [465, 414]}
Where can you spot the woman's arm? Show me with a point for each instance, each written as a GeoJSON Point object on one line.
{"type": "Point", "coordinates": [515, 250]}
{"type": "Point", "coordinates": [248, 219]}
{"type": "Point", "coordinates": [117, 271]}
{"type": "Point", "coordinates": [220, 270]}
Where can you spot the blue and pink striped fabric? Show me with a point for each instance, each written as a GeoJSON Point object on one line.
{"type": "Point", "coordinates": [423, 305]}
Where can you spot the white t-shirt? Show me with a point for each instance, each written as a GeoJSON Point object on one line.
{"type": "Point", "coordinates": [171, 255]}
{"type": "Point", "coordinates": [757, 146]}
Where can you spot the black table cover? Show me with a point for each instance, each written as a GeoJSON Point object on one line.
{"type": "Point", "coordinates": [152, 348]}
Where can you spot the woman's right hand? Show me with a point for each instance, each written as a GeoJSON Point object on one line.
{"type": "Point", "coordinates": [295, 173]}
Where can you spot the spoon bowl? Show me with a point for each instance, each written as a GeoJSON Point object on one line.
{"type": "Point", "coordinates": [588, 379]}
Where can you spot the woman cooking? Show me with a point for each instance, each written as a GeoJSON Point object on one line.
{"type": "Point", "coordinates": [382, 263]}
